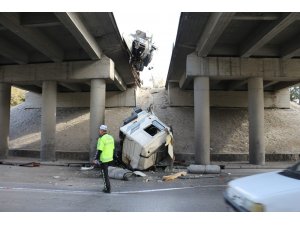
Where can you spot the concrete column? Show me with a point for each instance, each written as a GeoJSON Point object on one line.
{"type": "Point", "coordinates": [48, 121]}
{"type": "Point", "coordinates": [202, 120]}
{"type": "Point", "coordinates": [5, 91]}
{"type": "Point", "coordinates": [97, 112]}
{"type": "Point", "coordinates": [256, 121]}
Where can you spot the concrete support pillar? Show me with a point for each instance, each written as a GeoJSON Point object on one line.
{"type": "Point", "coordinates": [256, 121]}
{"type": "Point", "coordinates": [5, 91]}
{"type": "Point", "coordinates": [48, 121]}
{"type": "Point", "coordinates": [97, 112]}
{"type": "Point", "coordinates": [202, 120]}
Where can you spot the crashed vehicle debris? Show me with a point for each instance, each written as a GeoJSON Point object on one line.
{"type": "Point", "coordinates": [140, 49]}
{"type": "Point", "coordinates": [145, 140]}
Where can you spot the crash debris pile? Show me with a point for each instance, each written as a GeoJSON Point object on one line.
{"type": "Point", "coordinates": [173, 176]}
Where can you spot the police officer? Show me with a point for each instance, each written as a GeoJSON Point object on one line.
{"type": "Point", "coordinates": [105, 152]}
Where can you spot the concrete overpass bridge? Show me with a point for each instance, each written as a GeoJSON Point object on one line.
{"type": "Point", "coordinates": [54, 53]}
{"type": "Point", "coordinates": [234, 60]}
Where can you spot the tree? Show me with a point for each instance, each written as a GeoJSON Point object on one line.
{"type": "Point", "coordinates": [295, 94]}
{"type": "Point", "coordinates": [17, 96]}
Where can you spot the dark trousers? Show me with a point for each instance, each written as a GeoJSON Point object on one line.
{"type": "Point", "coordinates": [104, 171]}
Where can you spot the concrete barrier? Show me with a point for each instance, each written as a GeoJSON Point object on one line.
{"type": "Point", "coordinates": [33, 153]}
{"type": "Point", "coordinates": [204, 169]}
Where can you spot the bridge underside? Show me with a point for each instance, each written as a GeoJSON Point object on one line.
{"type": "Point", "coordinates": [58, 53]}
{"type": "Point", "coordinates": [234, 60]}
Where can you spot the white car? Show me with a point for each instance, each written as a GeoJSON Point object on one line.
{"type": "Point", "coordinates": [266, 192]}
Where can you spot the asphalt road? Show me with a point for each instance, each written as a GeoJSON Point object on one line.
{"type": "Point", "coordinates": [35, 200]}
{"type": "Point", "coordinates": [64, 189]}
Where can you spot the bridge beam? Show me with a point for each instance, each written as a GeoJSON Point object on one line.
{"type": "Point", "coordinates": [250, 16]}
{"type": "Point", "coordinates": [35, 38]}
{"type": "Point", "coordinates": [270, 84]}
{"type": "Point", "coordinates": [75, 25]}
{"type": "Point", "coordinates": [291, 48]}
{"type": "Point", "coordinates": [66, 71]}
{"type": "Point", "coordinates": [242, 68]}
{"type": "Point", "coordinates": [264, 35]}
{"type": "Point", "coordinates": [13, 53]}
{"type": "Point", "coordinates": [72, 87]}
{"type": "Point", "coordinates": [5, 92]}
{"type": "Point", "coordinates": [283, 85]}
{"type": "Point", "coordinates": [214, 28]}
{"type": "Point", "coordinates": [233, 85]}
{"type": "Point", "coordinates": [119, 82]}
{"type": "Point", "coordinates": [39, 19]}
{"type": "Point", "coordinates": [33, 88]}
{"type": "Point", "coordinates": [184, 81]}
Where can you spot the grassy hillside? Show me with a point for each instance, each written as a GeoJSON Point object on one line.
{"type": "Point", "coordinates": [17, 96]}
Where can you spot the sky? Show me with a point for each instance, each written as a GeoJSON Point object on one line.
{"type": "Point", "coordinates": [163, 26]}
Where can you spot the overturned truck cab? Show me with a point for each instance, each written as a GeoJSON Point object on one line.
{"type": "Point", "coordinates": [140, 48]}
{"type": "Point", "coordinates": [145, 140]}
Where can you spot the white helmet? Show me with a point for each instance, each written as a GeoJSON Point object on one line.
{"type": "Point", "coordinates": [103, 127]}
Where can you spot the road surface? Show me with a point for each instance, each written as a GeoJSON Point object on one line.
{"type": "Point", "coordinates": [67, 189]}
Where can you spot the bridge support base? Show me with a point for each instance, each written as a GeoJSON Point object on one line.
{"type": "Point", "coordinates": [202, 120]}
{"type": "Point", "coordinates": [97, 112]}
{"type": "Point", "coordinates": [48, 122]}
{"type": "Point", "coordinates": [256, 121]}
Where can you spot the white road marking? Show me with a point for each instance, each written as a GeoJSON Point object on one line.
{"type": "Point", "coordinates": [65, 191]}
{"type": "Point", "coordinates": [169, 189]}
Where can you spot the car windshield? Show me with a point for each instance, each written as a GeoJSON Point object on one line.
{"type": "Point", "coordinates": [292, 172]}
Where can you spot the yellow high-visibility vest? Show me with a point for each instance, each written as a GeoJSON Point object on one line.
{"type": "Point", "coordinates": [106, 145]}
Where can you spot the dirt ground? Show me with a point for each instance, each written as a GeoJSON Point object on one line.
{"type": "Point", "coordinates": [229, 126]}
